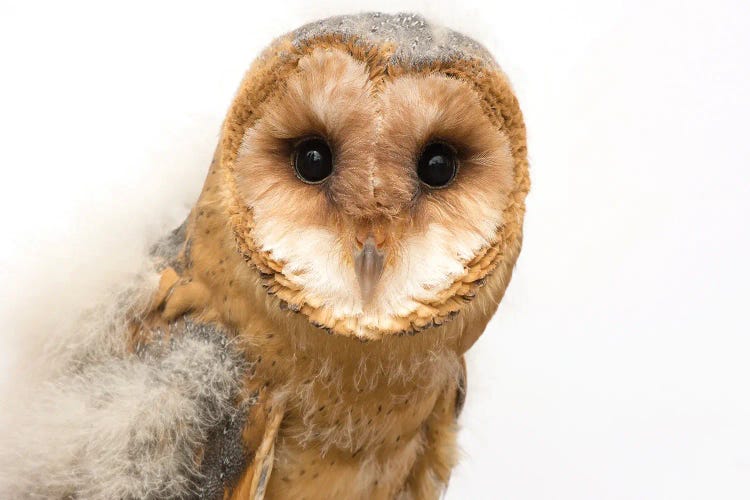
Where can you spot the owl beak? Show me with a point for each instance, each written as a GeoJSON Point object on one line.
{"type": "Point", "coordinates": [368, 265]}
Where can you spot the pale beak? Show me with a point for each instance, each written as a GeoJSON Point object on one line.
{"type": "Point", "coordinates": [368, 265]}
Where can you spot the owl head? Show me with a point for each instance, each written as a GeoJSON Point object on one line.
{"type": "Point", "coordinates": [375, 167]}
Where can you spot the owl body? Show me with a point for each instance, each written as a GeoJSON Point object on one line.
{"type": "Point", "coordinates": [356, 231]}
{"type": "Point", "coordinates": [354, 412]}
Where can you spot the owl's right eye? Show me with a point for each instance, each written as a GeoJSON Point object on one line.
{"type": "Point", "coordinates": [312, 160]}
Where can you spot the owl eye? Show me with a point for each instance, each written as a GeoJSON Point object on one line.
{"type": "Point", "coordinates": [312, 160]}
{"type": "Point", "coordinates": [438, 165]}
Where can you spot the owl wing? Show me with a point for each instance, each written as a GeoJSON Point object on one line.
{"type": "Point", "coordinates": [148, 408]}
{"type": "Point", "coordinates": [238, 422]}
{"type": "Point", "coordinates": [221, 416]}
{"type": "Point", "coordinates": [236, 456]}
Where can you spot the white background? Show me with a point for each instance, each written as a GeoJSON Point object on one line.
{"type": "Point", "coordinates": [618, 364]}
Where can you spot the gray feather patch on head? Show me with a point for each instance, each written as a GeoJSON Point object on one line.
{"type": "Point", "coordinates": [418, 41]}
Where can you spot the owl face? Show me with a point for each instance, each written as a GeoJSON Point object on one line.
{"type": "Point", "coordinates": [372, 200]}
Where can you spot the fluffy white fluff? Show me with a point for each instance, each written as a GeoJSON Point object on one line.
{"type": "Point", "coordinates": [106, 423]}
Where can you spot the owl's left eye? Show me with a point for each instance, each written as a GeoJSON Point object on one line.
{"type": "Point", "coordinates": [437, 165]}
{"type": "Point", "coordinates": [312, 160]}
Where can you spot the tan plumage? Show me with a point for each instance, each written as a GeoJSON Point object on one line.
{"type": "Point", "coordinates": [353, 373]}
{"type": "Point", "coordinates": [373, 419]}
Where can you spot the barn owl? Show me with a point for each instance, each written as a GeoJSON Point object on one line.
{"type": "Point", "coordinates": [302, 334]}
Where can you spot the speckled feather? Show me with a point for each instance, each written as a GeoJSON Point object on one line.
{"type": "Point", "coordinates": [418, 42]}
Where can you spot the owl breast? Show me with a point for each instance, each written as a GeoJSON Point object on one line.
{"type": "Point", "coordinates": [355, 414]}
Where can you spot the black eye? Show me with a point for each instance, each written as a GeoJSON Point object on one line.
{"type": "Point", "coordinates": [438, 165]}
{"type": "Point", "coordinates": [312, 160]}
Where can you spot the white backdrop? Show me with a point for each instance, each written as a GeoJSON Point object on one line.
{"type": "Point", "coordinates": [618, 364]}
